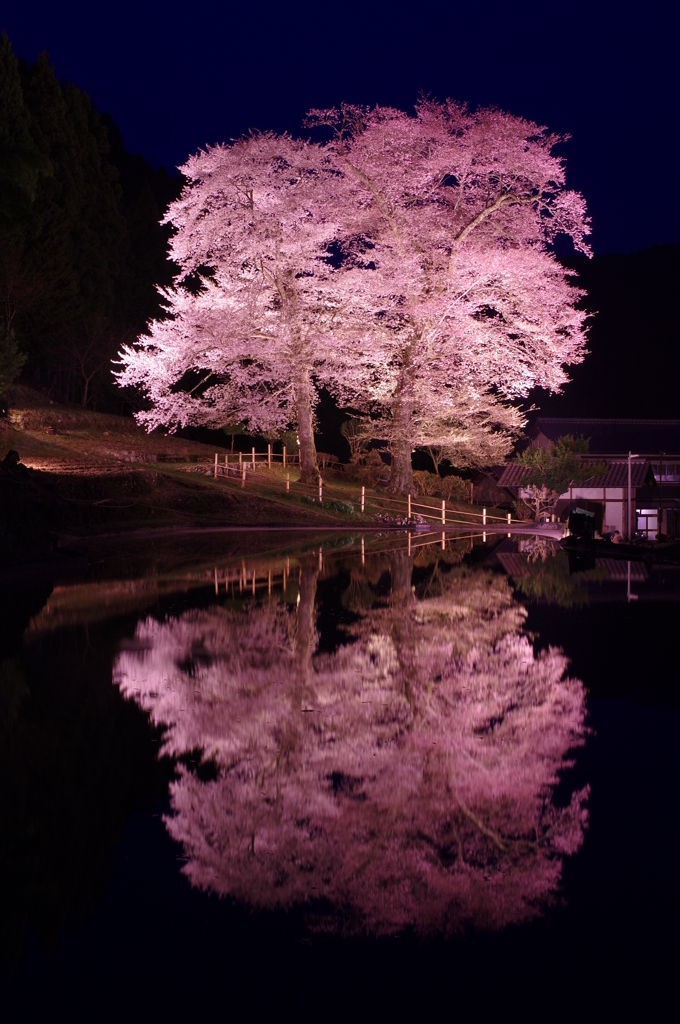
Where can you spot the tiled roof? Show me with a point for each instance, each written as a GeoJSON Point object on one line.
{"type": "Point", "coordinates": [616, 437]}
{"type": "Point", "coordinates": [617, 569]}
{"type": "Point", "coordinates": [513, 563]}
{"type": "Point", "coordinates": [616, 476]}
{"type": "Point", "coordinates": [513, 475]}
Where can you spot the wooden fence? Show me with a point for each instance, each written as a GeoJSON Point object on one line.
{"type": "Point", "coordinates": [407, 509]}
{"type": "Point", "coordinates": [233, 464]}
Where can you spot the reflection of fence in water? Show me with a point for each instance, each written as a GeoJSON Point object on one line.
{"type": "Point", "coordinates": [251, 579]}
{"type": "Point", "coordinates": [249, 582]}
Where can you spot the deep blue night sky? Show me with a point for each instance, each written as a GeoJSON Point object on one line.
{"type": "Point", "coordinates": [175, 76]}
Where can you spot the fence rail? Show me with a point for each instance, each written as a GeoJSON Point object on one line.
{"type": "Point", "coordinates": [411, 511]}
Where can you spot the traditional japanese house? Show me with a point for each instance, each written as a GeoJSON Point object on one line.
{"type": "Point", "coordinates": [648, 503]}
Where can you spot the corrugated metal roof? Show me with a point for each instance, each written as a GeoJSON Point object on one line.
{"type": "Point", "coordinates": [616, 476]}
{"type": "Point", "coordinates": [616, 437]}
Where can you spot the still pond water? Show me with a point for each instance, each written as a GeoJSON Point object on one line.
{"type": "Point", "coordinates": [324, 771]}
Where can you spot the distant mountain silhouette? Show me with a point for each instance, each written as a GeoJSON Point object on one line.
{"type": "Point", "coordinates": [634, 362]}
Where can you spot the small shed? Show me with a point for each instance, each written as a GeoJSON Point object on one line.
{"type": "Point", "coordinates": [486, 489]}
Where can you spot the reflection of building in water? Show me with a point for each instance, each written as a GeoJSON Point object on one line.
{"type": "Point", "coordinates": [404, 779]}
{"type": "Point", "coordinates": [544, 571]}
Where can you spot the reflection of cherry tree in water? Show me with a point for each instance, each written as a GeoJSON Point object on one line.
{"type": "Point", "coordinates": [404, 779]}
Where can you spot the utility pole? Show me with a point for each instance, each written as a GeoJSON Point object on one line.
{"type": "Point", "coordinates": [659, 509]}
{"type": "Point", "coordinates": [630, 459]}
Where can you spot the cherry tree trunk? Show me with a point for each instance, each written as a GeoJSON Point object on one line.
{"type": "Point", "coordinates": [401, 600]}
{"type": "Point", "coordinates": [305, 639]}
{"type": "Point", "coordinates": [309, 472]}
{"type": "Point", "coordinates": [401, 472]}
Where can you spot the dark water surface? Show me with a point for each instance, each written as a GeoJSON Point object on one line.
{"type": "Point", "coordinates": [331, 772]}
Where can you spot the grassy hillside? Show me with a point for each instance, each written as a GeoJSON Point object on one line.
{"type": "Point", "coordinates": [83, 473]}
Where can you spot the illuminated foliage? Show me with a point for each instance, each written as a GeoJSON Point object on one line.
{"type": "Point", "coordinates": [406, 265]}
{"type": "Point", "coordinates": [253, 233]}
{"type": "Point", "coordinates": [465, 291]}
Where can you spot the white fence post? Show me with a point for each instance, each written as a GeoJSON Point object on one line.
{"type": "Point", "coordinates": [240, 459]}
{"type": "Point", "coordinates": [483, 517]}
{"type": "Point", "coordinates": [320, 489]}
{"type": "Point", "coordinates": [443, 540]}
{"type": "Point", "coordinates": [363, 498]}
{"type": "Point", "coordinates": [269, 456]}
{"type": "Point", "coordinates": [409, 544]}
{"type": "Point", "coordinates": [443, 515]}
{"type": "Point", "coordinates": [287, 480]}
{"type": "Point", "coordinates": [409, 506]}
{"type": "Point", "coordinates": [509, 518]}
{"type": "Point", "coordinates": [284, 456]}
{"type": "Point", "coordinates": [243, 475]}
{"type": "Point", "coordinates": [215, 474]}
{"type": "Point", "coordinates": [363, 553]}
{"type": "Point", "coordinates": [253, 458]}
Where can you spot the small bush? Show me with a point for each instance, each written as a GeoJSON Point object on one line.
{"type": "Point", "coordinates": [451, 488]}
{"type": "Point", "coordinates": [368, 469]}
{"type": "Point", "coordinates": [329, 504]}
{"type": "Point", "coordinates": [339, 506]}
{"type": "Point", "coordinates": [523, 512]}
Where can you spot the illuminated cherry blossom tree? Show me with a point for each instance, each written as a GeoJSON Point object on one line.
{"type": "Point", "coordinates": [403, 780]}
{"type": "Point", "coordinates": [406, 265]}
{"type": "Point", "coordinates": [466, 425]}
{"type": "Point", "coordinates": [462, 210]}
{"type": "Point", "coordinates": [252, 315]}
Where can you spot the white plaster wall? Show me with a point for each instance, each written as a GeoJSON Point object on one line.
{"type": "Point", "coordinates": [613, 510]}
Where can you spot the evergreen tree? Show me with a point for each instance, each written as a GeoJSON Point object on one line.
{"type": "Point", "coordinates": [21, 165]}
{"type": "Point", "coordinates": [81, 245]}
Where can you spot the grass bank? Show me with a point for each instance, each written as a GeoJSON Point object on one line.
{"type": "Point", "coordinates": [83, 473]}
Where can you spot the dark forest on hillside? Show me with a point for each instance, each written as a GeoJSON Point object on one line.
{"type": "Point", "coordinates": [81, 247]}
{"type": "Point", "coordinates": [633, 369]}
{"type": "Point", "coordinates": [82, 250]}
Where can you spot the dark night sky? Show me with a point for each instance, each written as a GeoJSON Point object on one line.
{"type": "Point", "coordinates": [176, 75]}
